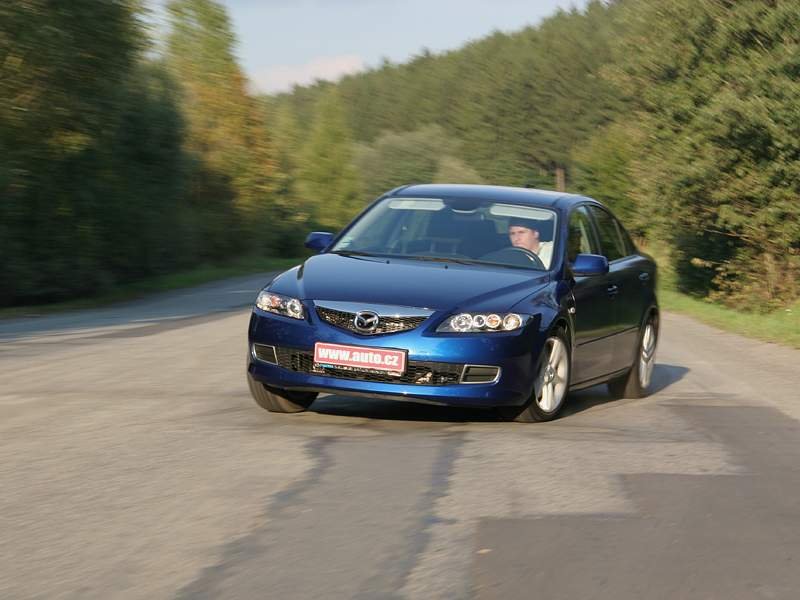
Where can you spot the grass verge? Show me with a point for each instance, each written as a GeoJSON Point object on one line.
{"type": "Point", "coordinates": [780, 326]}
{"type": "Point", "coordinates": [163, 283]}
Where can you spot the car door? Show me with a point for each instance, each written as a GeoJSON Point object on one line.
{"type": "Point", "coordinates": [594, 318]}
{"type": "Point", "coordinates": [637, 280]}
{"type": "Point", "coordinates": [624, 287]}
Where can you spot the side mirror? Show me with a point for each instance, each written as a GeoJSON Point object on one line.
{"type": "Point", "coordinates": [586, 265]}
{"type": "Point", "coordinates": [319, 240]}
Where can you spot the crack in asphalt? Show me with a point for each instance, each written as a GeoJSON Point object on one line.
{"type": "Point", "coordinates": [250, 544]}
{"type": "Point", "coordinates": [388, 578]}
{"type": "Point", "coordinates": [403, 561]}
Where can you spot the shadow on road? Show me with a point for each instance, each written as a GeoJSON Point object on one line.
{"type": "Point", "coordinates": [374, 408]}
{"type": "Point", "coordinates": [394, 410]}
{"type": "Point", "coordinates": [730, 534]}
{"type": "Point", "coordinates": [663, 377]}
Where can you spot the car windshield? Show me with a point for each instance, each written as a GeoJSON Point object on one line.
{"type": "Point", "coordinates": [455, 230]}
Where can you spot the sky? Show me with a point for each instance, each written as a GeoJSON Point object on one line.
{"type": "Point", "coordinates": [288, 42]}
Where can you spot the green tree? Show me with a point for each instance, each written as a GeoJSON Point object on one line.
{"type": "Point", "coordinates": [454, 170]}
{"type": "Point", "coordinates": [233, 161]}
{"type": "Point", "coordinates": [290, 212]}
{"type": "Point", "coordinates": [717, 89]}
{"type": "Point", "coordinates": [63, 82]}
{"type": "Point", "coordinates": [602, 169]}
{"type": "Point", "coordinates": [143, 218]}
{"type": "Point", "coordinates": [422, 156]}
{"type": "Point", "coordinates": [518, 102]}
{"type": "Point", "coordinates": [328, 181]}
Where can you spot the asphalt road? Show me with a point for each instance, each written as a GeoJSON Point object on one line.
{"type": "Point", "coordinates": [133, 464]}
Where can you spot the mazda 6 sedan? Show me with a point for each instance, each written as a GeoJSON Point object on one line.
{"type": "Point", "coordinates": [460, 295]}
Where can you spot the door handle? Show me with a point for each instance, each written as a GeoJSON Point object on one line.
{"type": "Point", "coordinates": [644, 276]}
{"type": "Point", "coordinates": [612, 290]}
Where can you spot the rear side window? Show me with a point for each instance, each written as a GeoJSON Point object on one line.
{"type": "Point", "coordinates": [611, 243]}
{"type": "Point", "coordinates": [630, 247]}
{"type": "Point", "coordinates": [580, 239]}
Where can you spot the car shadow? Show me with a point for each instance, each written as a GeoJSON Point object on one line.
{"type": "Point", "coordinates": [663, 377]}
{"type": "Point", "coordinates": [398, 410]}
{"type": "Point", "coordinates": [394, 410]}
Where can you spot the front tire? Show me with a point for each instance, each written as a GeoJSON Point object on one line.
{"type": "Point", "coordinates": [636, 382]}
{"type": "Point", "coordinates": [278, 400]}
{"type": "Point", "coordinates": [551, 386]}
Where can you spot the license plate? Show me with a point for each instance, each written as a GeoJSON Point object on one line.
{"type": "Point", "coordinates": [360, 358]}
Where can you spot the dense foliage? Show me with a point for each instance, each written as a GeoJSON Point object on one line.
{"type": "Point", "coordinates": [66, 111]}
{"type": "Point", "coordinates": [682, 115]}
{"type": "Point", "coordinates": [119, 160]}
{"type": "Point", "coordinates": [717, 170]}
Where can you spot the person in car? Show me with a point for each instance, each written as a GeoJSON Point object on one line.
{"type": "Point", "coordinates": [524, 234]}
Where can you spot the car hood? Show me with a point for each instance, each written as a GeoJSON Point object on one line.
{"type": "Point", "coordinates": [408, 282]}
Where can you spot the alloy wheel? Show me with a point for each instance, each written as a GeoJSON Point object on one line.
{"type": "Point", "coordinates": [553, 376]}
{"type": "Point", "coordinates": [647, 355]}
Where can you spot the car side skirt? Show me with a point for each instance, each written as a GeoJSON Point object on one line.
{"type": "Point", "coordinates": [597, 380]}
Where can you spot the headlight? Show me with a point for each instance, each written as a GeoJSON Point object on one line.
{"type": "Point", "coordinates": [282, 305]}
{"type": "Point", "coordinates": [478, 322]}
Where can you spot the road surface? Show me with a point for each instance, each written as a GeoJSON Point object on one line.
{"type": "Point", "coordinates": [133, 464]}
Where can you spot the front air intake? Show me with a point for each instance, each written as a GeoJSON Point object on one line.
{"type": "Point", "coordinates": [265, 353]}
{"type": "Point", "coordinates": [480, 374]}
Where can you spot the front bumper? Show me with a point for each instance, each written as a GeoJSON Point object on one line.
{"type": "Point", "coordinates": [516, 353]}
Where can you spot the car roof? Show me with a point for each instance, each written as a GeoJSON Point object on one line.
{"type": "Point", "coordinates": [496, 193]}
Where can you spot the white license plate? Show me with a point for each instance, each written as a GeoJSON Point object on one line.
{"type": "Point", "coordinates": [360, 358]}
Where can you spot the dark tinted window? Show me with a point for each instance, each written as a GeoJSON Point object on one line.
{"type": "Point", "coordinates": [472, 230]}
{"type": "Point", "coordinates": [580, 239]}
{"type": "Point", "coordinates": [630, 247]}
{"type": "Point", "coordinates": [611, 242]}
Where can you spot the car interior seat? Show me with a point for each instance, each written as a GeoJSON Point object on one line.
{"type": "Point", "coordinates": [467, 235]}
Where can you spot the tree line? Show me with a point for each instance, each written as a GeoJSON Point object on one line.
{"type": "Point", "coordinates": [119, 160]}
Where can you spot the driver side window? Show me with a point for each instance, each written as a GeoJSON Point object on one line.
{"type": "Point", "coordinates": [579, 238]}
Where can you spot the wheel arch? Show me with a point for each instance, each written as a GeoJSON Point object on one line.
{"type": "Point", "coordinates": [652, 310]}
{"type": "Point", "coordinates": [563, 321]}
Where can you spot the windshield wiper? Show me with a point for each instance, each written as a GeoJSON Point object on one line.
{"type": "Point", "coordinates": [354, 253]}
{"type": "Point", "coordinates": [443, 259]}
{"type": "Point", "coordinates": [447, 259]}
{"type": "Point", "coordinates": [470, 261]}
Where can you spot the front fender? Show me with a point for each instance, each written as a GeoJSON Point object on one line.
{"type": "Point", "coordinates": [553, 304]}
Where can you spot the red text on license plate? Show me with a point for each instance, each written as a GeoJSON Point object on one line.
{"type": "Point", "coordinates": [358, 357]}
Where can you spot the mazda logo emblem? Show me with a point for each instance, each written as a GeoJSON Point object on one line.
{"type": "Point", "coordinates": [366, 321]}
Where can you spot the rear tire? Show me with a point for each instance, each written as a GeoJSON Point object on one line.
{"type": "Point", "coordinates": [278, 400]}
{"type": "Point", "coordinates": [636, 382]}
{"type": "Point", "coordinates": [551, 386]}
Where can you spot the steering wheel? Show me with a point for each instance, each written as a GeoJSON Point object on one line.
{"type": "Point", "coordinates": [516, 256]}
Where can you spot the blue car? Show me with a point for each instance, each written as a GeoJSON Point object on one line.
{"type": "Point", "coordinates": [460, 295]}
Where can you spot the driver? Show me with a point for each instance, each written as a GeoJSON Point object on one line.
{"type": "Point", "coordinates": [523, 234]}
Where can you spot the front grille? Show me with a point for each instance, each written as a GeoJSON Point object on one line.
{"type": "Point", "coordinates": [417, 372]}
{"type": "Point", "coordinates": [344, 320]}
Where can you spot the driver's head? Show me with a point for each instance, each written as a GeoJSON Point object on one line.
{"type": "Point", "coordinates": [523, 235]}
